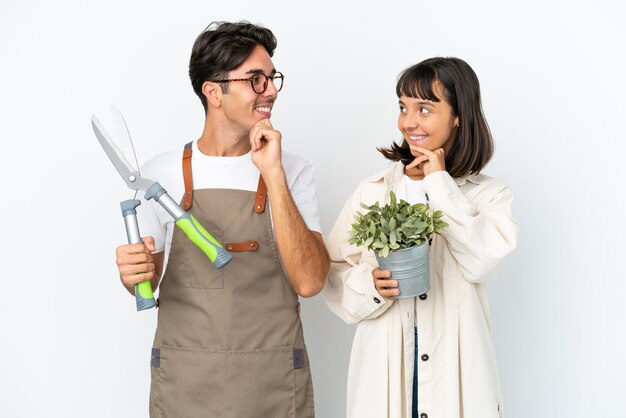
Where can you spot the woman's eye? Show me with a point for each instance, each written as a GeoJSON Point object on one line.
{"type": "Point", "coordinates": [424, 110]}
{"type": "Point", "coordinates": [402, 109]}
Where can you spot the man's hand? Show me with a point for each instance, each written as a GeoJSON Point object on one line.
{"type": "Point", "coordinates": [136, 263]}
{"type": "Point", "coordinates": [385, 287]}
{"type": "Point", "coordinates": [266, 148]}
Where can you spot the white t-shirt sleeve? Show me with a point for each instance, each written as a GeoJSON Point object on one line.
{"type": "Point", "coordinates": [301, 182]}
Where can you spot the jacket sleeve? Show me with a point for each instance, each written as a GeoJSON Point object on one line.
{"type": "Point", "coordinates": [480, 234]}
{"type": "Point", "coordinates": [349, 291]}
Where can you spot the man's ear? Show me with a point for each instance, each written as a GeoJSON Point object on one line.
{"type": "Point", "coordinates": [213, 93]}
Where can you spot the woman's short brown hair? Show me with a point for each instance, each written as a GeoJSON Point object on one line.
{"type": "Point", "coordinates": [472, 147]}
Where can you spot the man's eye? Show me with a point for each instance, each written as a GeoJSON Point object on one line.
{"type": "Point", "coordinates": [256, 80]}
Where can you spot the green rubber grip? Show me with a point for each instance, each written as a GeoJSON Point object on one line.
{"type": "Point", "coordinates": [144, 296]}
{"type": "Point", "coordinates": [205, 241]}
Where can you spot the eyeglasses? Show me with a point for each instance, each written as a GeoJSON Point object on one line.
{"type": "Point", "coordinates": [259, 81]}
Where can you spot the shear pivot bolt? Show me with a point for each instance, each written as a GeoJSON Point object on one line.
{"type": "Point", "coordinates": [132, 178]}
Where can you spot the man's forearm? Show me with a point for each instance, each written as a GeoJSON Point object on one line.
{"type": "Point", "coordinates": [302, 251]}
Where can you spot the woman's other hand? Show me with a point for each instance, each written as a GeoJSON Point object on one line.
{"type": "Point", "coordinates": [385, 286]}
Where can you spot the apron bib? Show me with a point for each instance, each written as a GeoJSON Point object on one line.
{"type": "Point", "coordinates": [229, 342]}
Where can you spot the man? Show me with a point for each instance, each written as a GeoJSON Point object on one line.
{"type": "Point", "coordinates": [229, 342]}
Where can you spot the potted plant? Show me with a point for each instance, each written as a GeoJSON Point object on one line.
{"type": "Point", "coordinates": [399, 234]}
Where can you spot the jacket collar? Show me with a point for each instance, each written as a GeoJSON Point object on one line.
{"type": "Point", "coordinates": [395, 172]}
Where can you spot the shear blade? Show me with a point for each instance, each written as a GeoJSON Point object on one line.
{"type": "Point", "coordinates": [130, 175]}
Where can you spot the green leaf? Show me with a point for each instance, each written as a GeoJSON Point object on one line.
{"type": "Point", "coordinates": [392, 237]}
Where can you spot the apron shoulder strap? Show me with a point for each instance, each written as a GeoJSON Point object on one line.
{"type": "Point", "coordinates": [261, 193]}
{"type": "Point", "coordinates": [187, 177]}
{"type": "Point", "coordinates": [261, 196]}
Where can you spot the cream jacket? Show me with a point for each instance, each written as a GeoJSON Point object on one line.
{"type": "Point", "coordinates": [457, 373]}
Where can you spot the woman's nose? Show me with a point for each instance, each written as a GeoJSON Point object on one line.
{"type": "Point", "coordinates": [411, 120]}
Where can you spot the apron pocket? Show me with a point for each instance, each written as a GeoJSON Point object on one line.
{"type": "Point", "coordinates": [188, 383]}
{"type": "Point", "coordinates": [260, 383]}
{"type": "Point", "coordinates": [189, 267]}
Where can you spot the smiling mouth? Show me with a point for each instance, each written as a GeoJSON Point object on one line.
{"type": "Point", "coordinates": [264, 108]}
{"type": "Point", "coordinates": [416, 138]}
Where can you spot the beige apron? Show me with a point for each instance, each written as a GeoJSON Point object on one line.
{"type": "Point", "coordinates": [228, 342]}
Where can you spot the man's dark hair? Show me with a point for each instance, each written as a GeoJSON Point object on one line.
{"type": "Point", "coordinates": [472, 146]}
{"type": "Point", "coordinates": [221, 48]}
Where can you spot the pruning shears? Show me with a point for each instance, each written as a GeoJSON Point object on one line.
{"type": "Point", "coordinates": [153, 190]}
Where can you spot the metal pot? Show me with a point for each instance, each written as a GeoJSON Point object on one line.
{"type": "Point", "coordinates": [409, 266]}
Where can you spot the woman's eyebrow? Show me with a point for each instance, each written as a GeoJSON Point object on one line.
{"type": "Point", "coordinates": [420, 102]}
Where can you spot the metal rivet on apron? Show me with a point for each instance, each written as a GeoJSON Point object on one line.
{"type": "Point", "coordinates": [229, 247]}
{"type": "Point", "coordinates": [258, 206]}
{"type": "Point", "coordinates": [251, 245]}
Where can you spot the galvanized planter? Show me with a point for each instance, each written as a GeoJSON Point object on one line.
{"type": "Point", "coordinates": [409, 266]}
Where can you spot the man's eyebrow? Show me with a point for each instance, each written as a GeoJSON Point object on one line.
{"type": "Point", "coordinates": [259, 71]}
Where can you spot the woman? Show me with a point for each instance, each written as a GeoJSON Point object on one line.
{"type": "Point", "coordinates": [452, 371]}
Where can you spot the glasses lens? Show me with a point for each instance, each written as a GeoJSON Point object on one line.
{"type": "Point", "coordinates": [277, 79]}
{"type": "Point", "coordinates": [259, 83]}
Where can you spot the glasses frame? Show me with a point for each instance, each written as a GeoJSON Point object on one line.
{"type": "Point", "coordinates": [273, 77]}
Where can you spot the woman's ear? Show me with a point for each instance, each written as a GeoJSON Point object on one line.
{"type": "Point", "coordinates": [213, 93]}
{"type": "Point", "coordinates": [456, 121]}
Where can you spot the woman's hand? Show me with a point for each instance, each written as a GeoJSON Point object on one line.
{"type": "Point", "coordinates": [385, 287]}
{"type": "Point", "coordinates": [432, 161]}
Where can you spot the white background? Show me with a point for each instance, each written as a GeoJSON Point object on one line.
{"type": "Point", "coordinates": [552, 76]}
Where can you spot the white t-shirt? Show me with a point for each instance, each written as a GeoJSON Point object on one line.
{"type": "Point", "coordinates": [414, 194]}
{"type": "Point", "coordinates": [218, 173]}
